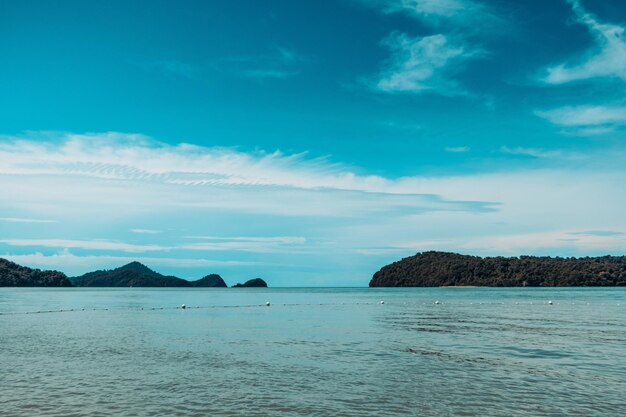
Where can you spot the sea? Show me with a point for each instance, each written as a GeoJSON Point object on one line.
{"type": "Point", "coordinates": [313, 352]}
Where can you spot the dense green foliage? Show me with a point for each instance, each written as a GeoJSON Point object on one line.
{"type": "Point", "coordinates": [133, 274]}
{"type": "Point", "coordinates": [434, 269]}
{"type": "Point", "coordinates": [136, 274]}
{"type": "Point", "coordinates": [14, 275]}
{"type": "Point", "coordinates": [256, 282]}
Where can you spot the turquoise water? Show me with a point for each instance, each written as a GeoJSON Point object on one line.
{"type": "Point", "coordinates": [313, 352]}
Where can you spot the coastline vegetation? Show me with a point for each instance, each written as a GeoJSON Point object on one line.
{"type": "Point", "coordinates": [133, 274]}
{"type": "Point", "coordinates": [438, 269]}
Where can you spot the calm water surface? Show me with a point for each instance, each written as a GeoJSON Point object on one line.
{"type": "Point", "coordinates": [314, 352]}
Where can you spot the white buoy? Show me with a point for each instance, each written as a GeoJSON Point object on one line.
{"type": "Point", "coordinates": [437, 302]}
{"type": "Point", "coordinates": [183, 306]}
{"type": "Point", "coordinates": [267, 303]}
{"type": "Point", "coordinates": [550, 302]}
{"type": "Point", "coordinates": [382, 302]}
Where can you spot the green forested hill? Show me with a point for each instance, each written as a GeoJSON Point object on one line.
{"type": "Point", "coordinates": [14, 275]}
{"type": "Point", "coordinates": [434, 269]}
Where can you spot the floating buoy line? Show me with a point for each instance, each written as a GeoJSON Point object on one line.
{"type": "Point", "coordinates": [181, 307]}
{"type": "Point", "coordinates": [269, 304]}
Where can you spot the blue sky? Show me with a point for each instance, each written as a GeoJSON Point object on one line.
{"type": "Point", "coordinates": [309, 143]}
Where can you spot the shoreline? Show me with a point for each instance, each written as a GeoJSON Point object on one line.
{"type": "Point", "coordinates": [463, 286]}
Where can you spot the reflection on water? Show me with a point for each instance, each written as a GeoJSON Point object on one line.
{"type": "Point", "coordinates": [314, 352]}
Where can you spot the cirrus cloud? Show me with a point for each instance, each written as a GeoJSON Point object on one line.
{"type": "Point", "coordinates": [607, 59]}
{"type": "Point", "coordinates": [225, 205]}
{"type": "Point", "coordinates": [424, 64]}
{"type": "Point", "coordinates": [585, 115]}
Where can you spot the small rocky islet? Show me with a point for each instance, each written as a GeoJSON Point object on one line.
{"type": "Point", "coordinates": [134, 274]}
{"type": "Point", "coordinates": [256, 282]}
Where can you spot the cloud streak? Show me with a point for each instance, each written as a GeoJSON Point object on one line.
{"type": "Point", "coordinates": [273, 244]}
{"type": "Point", "coordinates": [524, 243]}
{"type": "Point", "coordinates": [606, 60]}
{"type": "Point", "coordinates": [431, 64]}
{"type": "Point", "coordinates": [280, 244]}
{"type": "Point", "coordinates": [84, 244]}
{"type": "Point", "coordinates": [532, 152]}
{"type": "Point", "coordinates": [145, 231]}
{"type": "Point", "coordinates": [591, 116]}
{"type": "Point", "coordinates": [280, 63]}
{"type": "Point", "coordinates": [457, 149]}
{"type": "Point", "coordinates": [103, 168]}
{"type": "Point", "coordinates": [25, 220]}
{"type": "Point", "coordinates": [423, 64]}
{"type": "Point", "coordinates": [221, 204]}
{"type": "Point", "coordinates": [457, 13]}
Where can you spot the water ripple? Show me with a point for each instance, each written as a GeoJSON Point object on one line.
{"type": "Point", "coordinates": [321, 353]}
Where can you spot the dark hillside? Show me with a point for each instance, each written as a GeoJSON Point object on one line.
{"type": "Point", "coordinates": [133, 274]}
{"type": "Point", "coordinates": [14, 275]}
{"type": "Point", "coordinates": [212, 280]}
{"type": "Point", "coordinates": [434, 269]}
{"type": "Point", "coordinates": [256, 282]}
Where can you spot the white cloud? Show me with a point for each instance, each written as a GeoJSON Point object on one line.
{"type": "Point", "coordinates": [436, 7]}
{"type": "Point", "coordinates": [535, 243]}
{"type": "Point", "coordinates": [430, 63]}
{"type": "Point", "coordinates": [240, 247]}
{"type": "Point", "coordinates": [145, 231]}
{"type": "Point", "coordinates": [533, 152]}
{"type": "Point", "coordinates": [281, 244]}
{"type": "Point", "coordinates": [589, 131]}
{"type": "Point", "coordinates": [463, 13]}
{"type": "Point", "coordinates": [24, 220]}
{"type": "Point", "coordinates": [271, 239]}
{"type": "Point", "coordinates": [423, 64]}
{"type": "Point", "coordinates": [536, 217]}
{"type": "Point", "coordinates": [320, 214]}
{"type": "Point", "coordinates": [590, 116]}
{"type": "Point", "coordinates": [457, 149]}
{"type": "Point", "coordinates": [607, 59]}
{"type": "Point", "coordinates": [545, 241]}
{"type": "Point", "coordinates": [598, 233]}
{"type": "Point", "coordinates": [119, 156]}
{"type": "Point", "coordinates": [99, 171]}
{"type": "Point", "coordinates": [84, 244]}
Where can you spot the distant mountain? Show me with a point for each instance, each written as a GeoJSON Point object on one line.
{"type": "Point", "coordinates": [14, 275]}
{"type": "Point", "coordinates": [133, 274]}
{"type": "Point", "coordinates": [434, 269]}
{"type": "Point", "coordinates": [256, 282]}
{"type": "Point", "coordinates": [212, 280]}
